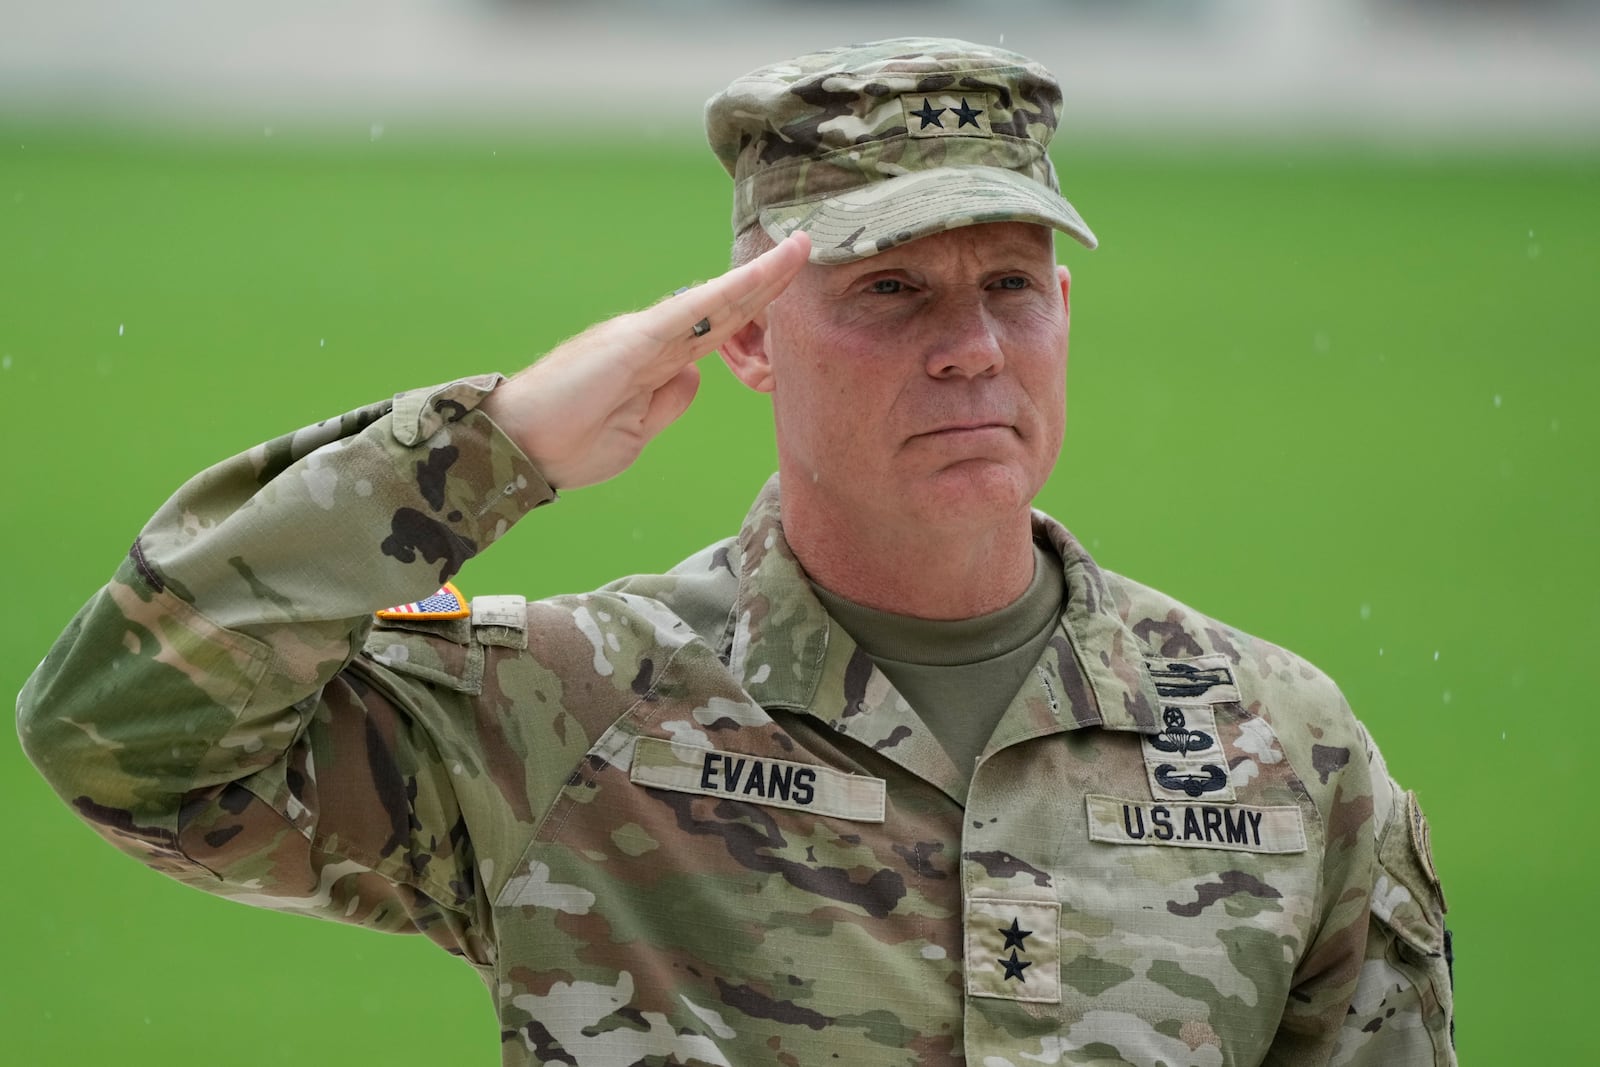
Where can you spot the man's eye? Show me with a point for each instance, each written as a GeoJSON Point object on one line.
{"type": "Point", "coordinates": [1013, 281]}
{"type": "Point", "coordinates": [886, 286]}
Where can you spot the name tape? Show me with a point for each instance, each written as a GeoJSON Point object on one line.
{"type": "Point", "coordinates": [777, 783]}
{"type": "Point", "coordinates": [1232, 827]}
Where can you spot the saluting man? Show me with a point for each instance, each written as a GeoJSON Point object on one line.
{"type": "Point", "coordinates": [894, 775]}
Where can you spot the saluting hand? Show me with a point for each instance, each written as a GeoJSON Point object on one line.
{"type": "Point", "coordinates": [585, 411]}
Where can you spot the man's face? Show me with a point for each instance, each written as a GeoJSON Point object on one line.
{"type": "Point", "coordinates": [927, 382]}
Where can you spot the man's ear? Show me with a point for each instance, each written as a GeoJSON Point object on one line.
{"type": "Point", "coordinates": [745, 353]}
{"type": "Point", "coordinates": [1066, 286]}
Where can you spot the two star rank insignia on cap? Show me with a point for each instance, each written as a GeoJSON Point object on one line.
{"type": "Point", "coordinates": [947, 114]}
{"type": "Point", "coordinates": [447, 603]}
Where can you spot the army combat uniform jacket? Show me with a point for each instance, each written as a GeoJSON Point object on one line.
{"type": "Point", "coordinates": [684, 820]}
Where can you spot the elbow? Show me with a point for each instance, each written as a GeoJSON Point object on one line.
{"type": "Point", "coordinates": [73, 727]}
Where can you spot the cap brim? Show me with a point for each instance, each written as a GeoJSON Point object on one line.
{"type": "Point", "coordinates": [868, 220]}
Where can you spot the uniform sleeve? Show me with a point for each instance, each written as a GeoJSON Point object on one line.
{"type": "Point", "coordinates": [1372, 987]}
{"type": "Point", "coordinates": [1402, 1012]}
{"type": "Point", "coordinates": [206, 711]}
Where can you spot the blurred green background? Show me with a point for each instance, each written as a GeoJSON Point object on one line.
{"type": "Point", "coordinates": [1338, 396]}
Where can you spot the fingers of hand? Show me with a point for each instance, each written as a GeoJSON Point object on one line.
{"type": "Point", "coordinates": [770, 274]}
{"type": "Point", "coordinates": [624, 380]}
{"type": "Point", "coordinates": [725, 303]}
{"type": "Point", "coordinates": [670, 401]}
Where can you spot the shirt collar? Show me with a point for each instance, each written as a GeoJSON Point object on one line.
{"type": "Point", "coordinates": [779, 631]}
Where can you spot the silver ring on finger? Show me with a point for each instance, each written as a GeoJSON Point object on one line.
{"type": "Point", "coordinates": [701, 328]}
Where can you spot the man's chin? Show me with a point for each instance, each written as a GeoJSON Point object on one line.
{"type": "Point", "coordinates": [972, 491]}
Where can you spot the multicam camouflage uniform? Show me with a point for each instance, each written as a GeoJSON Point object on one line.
{"type": "Point", "coordinates": [874, 145]}
{"type": "Point", "coordinates": [683, 819]}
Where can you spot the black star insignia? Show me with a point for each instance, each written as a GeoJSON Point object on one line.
{"type": "Point", "coordinates": [966, 113]}
{"type": "Point", "coordinates": [1014, 967]}
{"type": "Point", "coordinates": [1015, 935]}
{"type": "Point", "coordinates": [930, 114]}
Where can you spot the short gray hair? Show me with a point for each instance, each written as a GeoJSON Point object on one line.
{"type": "Point", "coordinates": [750, 243]}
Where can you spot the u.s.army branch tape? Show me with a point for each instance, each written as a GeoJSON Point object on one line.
{"type": "Point", "coordinates": [1231, 827]}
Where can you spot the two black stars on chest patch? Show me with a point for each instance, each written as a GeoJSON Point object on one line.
{"type": "Point", "coordinates": [1013, 949]}
{"type": "Point", "coordinates": [1014, 965]}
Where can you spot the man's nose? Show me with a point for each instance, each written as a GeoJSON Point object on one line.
{"type": "Point", "coordinates": [963, 341]}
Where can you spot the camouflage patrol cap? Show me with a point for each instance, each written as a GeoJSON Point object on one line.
{"type": "Point", "coordinates": [873, 145]}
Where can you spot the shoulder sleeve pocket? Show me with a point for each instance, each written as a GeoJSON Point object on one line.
{"type": "Point", "coordinates": [443, 653]}
{"type": "Point", "coordinates": [1408, 898]}
{"type": "Point", "coordinates": [1403, 1008]}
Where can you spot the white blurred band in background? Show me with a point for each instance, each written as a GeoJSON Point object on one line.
{"type": "Point", "coordinates": [1378, 69]}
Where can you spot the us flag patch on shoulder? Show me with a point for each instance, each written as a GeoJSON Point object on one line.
{"type": "Point", "coordinates": [447, 603]}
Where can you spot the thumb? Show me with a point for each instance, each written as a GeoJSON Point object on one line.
{"type": "Point", "coordinates": [671, 400]}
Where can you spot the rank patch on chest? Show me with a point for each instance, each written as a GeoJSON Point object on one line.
{"type": "Point", "coordinates": [776, 783]}
{"type": "Point", "coordinates": [1229, 827]}
{"type": "Point", "coordinates": [1013, 950]}
{"type": "Point", "coordinates": [447, 603]}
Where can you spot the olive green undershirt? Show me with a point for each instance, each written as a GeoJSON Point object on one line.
{"type": "Point", "coordinates": [959, 675]}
